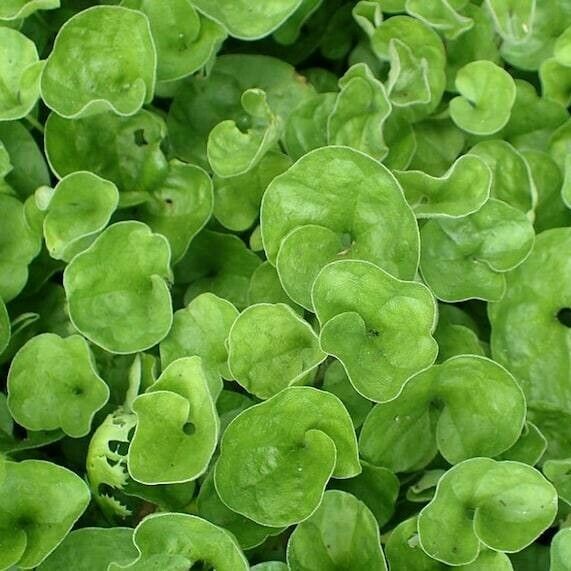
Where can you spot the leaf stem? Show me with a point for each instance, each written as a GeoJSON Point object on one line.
{"type": "Point", "coordinates": [34, 123]}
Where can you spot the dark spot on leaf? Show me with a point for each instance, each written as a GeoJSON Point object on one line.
{"type": "Point", "coordinates": [564, 316]}
{"type": "Point", "coordinates": [139, 136]}
{"type": "Point", "coordinates": [189, 428]}
{"type": "Point", "coordinates": [77, 391]}
{"type": "Point", "coordinates": [168, 201]}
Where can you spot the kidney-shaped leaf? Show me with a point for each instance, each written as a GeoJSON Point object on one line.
{"type": "Point", "coordinates": [378, 326]}
{"type": "Point", "coordinates": [560, 554]}
{"type": "Point", "coordinates": [480, 502]}
{"type": "Point", "coordinates": [468, 406]}
{"type": "Point", "coordinates": [342, 533]}
{"type": "Point", "coordinates": [534, 315]}
{"type": "Point", "coordinates": [53, 383]}
{"type": "Point", "coordinates": [14, 9]}
{"type": "Point", "coordinates": [468, 257]}
{"type": "Point", "coordinates": [20, 72]}
{"type": "Point", "coordinates": [177, 426]}
{"type": "Point", "coordinates": [117, 291]}
{"type": "Point", "coordinates": [463, 189]}
{"type": "Point", "coordinates": [177, 541]}
{"type": "Point", "coordinates": [39, 503]}
{"type": "Point", "coordinates": [277, 457]}
{"type": "Point", "coordinates": [79, 208]}
{"type": "Point", "coordinates": [487, 95]}
{"type": "Point", "coordinates": [103, 59]}
{"type": "Point", "coordinates": [270, 347]}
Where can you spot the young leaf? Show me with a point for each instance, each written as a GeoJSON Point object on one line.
{"type": "Point", "coordinates": [277, 457]}
{"type": "Point", "coordinates": [378, 326]}
{"type": "Point", "coordinates": [561, 551]}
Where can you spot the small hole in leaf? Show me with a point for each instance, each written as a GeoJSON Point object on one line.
{"type": "Point", "coordinates": [77, 391]}
{"type": "Point", "coordinates": [189, 428]}
{"type": "Point", "coordinates": [243, 122]}
{"type": "Point", "coordinates": [423, 200]}
{"type": "Point", "coordinates": [373, 332]}
{"type": "Point", "coordinates": [119, 447]}
{"type": "Point", "coordinates": [564, 316]}
{"type": "Point", "coordinates": [139, 136]}
{"type": "Point", "coordinates": [168, 201]}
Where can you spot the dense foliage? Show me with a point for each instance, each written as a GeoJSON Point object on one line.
{"type": "Point", "coordinates": [285, 285]}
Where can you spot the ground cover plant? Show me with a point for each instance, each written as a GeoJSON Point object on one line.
{"type": "Point", "coordinates": [285, 285]}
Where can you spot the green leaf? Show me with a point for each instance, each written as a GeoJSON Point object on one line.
{"type": "Point", "coordinates": [92, 549]}
{"type": "Point", "coordinates": [246, 21]}
{"type": "Point", "coordinates": [5, 327]}
{"type": "Point", "coordinates": [53, 383]}
{"type": "Point", "coordinates": [178, 541]}
{"type": "Point", "coordinates": [513, 19]}
{"type": "Point", "coordinates": [117, 289]}
{"type": "Point", "coordinates": [561, 551]}
{"type": "Point", "coordinates": [487, 95]}
{"type": "Point", "coordinates": [277, 477]}
{"type": "Point", "coordinates": [220, 264]}
{"type": "Point", "coordinates": [248, 533]}
{"type": "Point", "coordinates": [379, 327]}
{"type": "Point", "coordinates": [233, 151]}
{"type": "Point", "coordinates": [237, 199]}
{"type": "Point", "coordinates": [177, 426]}
{"type": "Point", "coordinates": [468, 257]}
{"type": "Point", "coordinates": [184, 39]}
{"type": "Point", "coordinates": [201, 329]}
{"type": "Point", "coordinates": [19, 245]}
{"type": "Point", "coordinates": [529, 447]}
{"type": "Point", "coordinates": [556, 81]}
{"type": "Point", "coordinates": [503, 505]}
{"type": "Point", "coordinates": [179, 207]}
{"type": "Point", "coordinates": [79, 208]}
{"type": "Point", "coordinates": [441, 16]}
{"type": "Point", "coordinates": [19, 75]}
{"type": "Point", "coordinates": [270, 348]}
{"type": "Point", "coordinates": [39, 504]}
{"type": "Point", "coordinates": [372, 222]}
{"type": "Point", "coordinates": [462, 190]}
{"type": "Point", "coordinates": [106, 82]}
{"type": "Point", "coordinates": [360, 110]}
{"type": "Point", "coordinates": [12, 10]}
{"type": "Point", "coordinates": [530, 319]}
{"type": "Point", "coordinates": [322, 543]}
{"type": "Point", "coordinates": [466, 407]}
{"type": "Point", "coordinates": [558, 472]}
{"type": "Point", "coordinates": [405, 553]}
{"type": "Point", "coordinates": [124, 150]}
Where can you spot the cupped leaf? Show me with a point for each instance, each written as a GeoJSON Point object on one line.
{"type": "Point", "coordinates": [361, 108]}
{"type": "Point", "coordinates": [480, 502]}
{"type": "Point", "coordinates": [201, 103]}
{"type": "Point", "coordinates": [179, 207]}
{"type": "Point", "coordinates": [466, 407]}
{"type": "Point", "coordinates": [306, 127]}
{"type": "Point", "coordinates": [53, 383]}
{"type": "Point", "coordinates": [92, 549]}
{"type": "Point", "coordinates": [323, 541]}
{"type": "Point", "coordinates": [560, 553]}
{"type": "Point", "coordinates": [177, 426]}
{"type": "Point", "coordinates": [513, 19]}
{"type": "Point", "coordinates": [441, 16]}
{"type": "Point", "coordinates": [265, 287]}
{"type": "Point", "coordinates": [372, 222]}
{"type": "Point", "coordinates": [245, 20]}
{"type": "Point", "coordinates": [417, 57]}
{"type": "Point", "coordinates": [556, 81]}
{"type": "Point", "coordinates": [376, 487]}
{"type": "Point", "coordinates": [19, 245]}
{"type": "Point", "coordinates": [15, 9]}
{"type": "Point", "coordinates": [39, 503]}
{"type": "Point", "coordinates": [404, 553]}
{"type": "Point", "coordinates": [270, 348]}
{"type": "Point", "coordinates": [217, 263]}
{"type": "Point", "coordinates": [104, 59]}
{"type": "Point", "coordinates": [534, 315]}
{"type": "Point", "coordinates": [378, 326]}
{"type": "Point", "coordinates": [124, 150]}
{"type": "Point", "coordinates": [529, 447]}
{"type": "Point", "coordinates": [248, 533]}
{"type": "Point", "coordinates": [558, 472]}
{"type": "Point", "coordinates": [512, 179]}
{"type": "Point", "coordinates": [553, 422]}
{"type": "Point", "coordinates": [184, 39]}
{"type": "Point", "coordinates": [233, 151]}
{"type": "Point", "coordinates": [20, 71]}
{"type": "Point", "coordinates": [80, 207]}
{"type": "Point", "coordinates": [237, 199]}
{"type": "Point", "coordinates": [180, 541]}
{"type": "Point", "coordinates": [117, 289]}
{"type": "Point", "coordinates": [468, 257]}
{"type": "Point", "coordinates": [487, 95]}
{"type": "Point", "coordinates": [462, 190]}
{"type": "Point", "coordinates": [201, 329]}
{"type": "Point", "coordinates": [277, 457]}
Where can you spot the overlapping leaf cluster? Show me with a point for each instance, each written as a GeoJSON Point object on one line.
{"type": "Point", "coordinates": [285, 285]}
